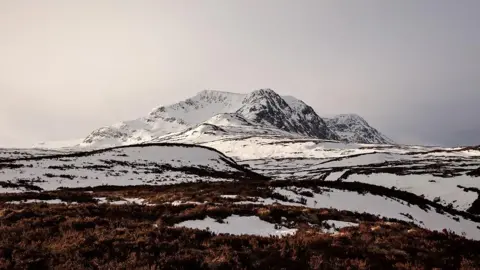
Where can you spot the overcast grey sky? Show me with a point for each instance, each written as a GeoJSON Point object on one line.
{"type": "Point", "coordinates": [411, 68]}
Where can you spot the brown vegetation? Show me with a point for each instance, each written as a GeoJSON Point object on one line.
{"type": "Point", "coordinates": [211, 192]}
{"type": "Point", "coordinates": [89, 236]}
{"type": "Point", "coordinates": [102, 236]}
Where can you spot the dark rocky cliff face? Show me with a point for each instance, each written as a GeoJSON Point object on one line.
{"type": "Point", "coordinates": [267, 107]}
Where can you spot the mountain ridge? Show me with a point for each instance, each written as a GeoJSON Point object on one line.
{"type": "Point", "coordinates": [261, 112]}
{"type": "Point", "coordinates": [353, 128]}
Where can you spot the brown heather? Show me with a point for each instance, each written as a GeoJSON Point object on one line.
{"type": "Point", "coordinates": [101, 236]}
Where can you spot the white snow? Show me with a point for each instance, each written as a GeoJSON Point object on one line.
{"type": "Point", "coordinates": [54, 201]}
{"type": "Point", "coordinates": [238, 225]}
{"type": "Point", "coordinates": [378, 205]}
{"type": "Point", "coordinates": [334, 176]}
{"type": "Point", "coordinates": [219, 108]}
{"type": "Point", "coordinates": [447, 153]}
{"type": "Point", "coordinates": [140, 201]}
{"type": "Point", "coordinates": [294, 103]}
{"type": "Point", "coordinates": [430, 186]}
{"type": "Point", "coordinates": [133, 166]}
{"type": "Point", "coordinates": [280, 147]}
{"type": "Point", "coordinates": [228, 119]}
{"type": "Point", "coordinates": [168, 119]}
{"type": "Point", "coordinates": [352, 127]}
{"type": "Point", "coordinates": [366, 159]}
{"type": "Point", "coordinates": [177, 203]}
{"type": "Point", "coordinates": [229, 196]}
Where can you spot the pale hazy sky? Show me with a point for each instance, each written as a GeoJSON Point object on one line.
{"type": "Point", "coordinates": [411, 68]}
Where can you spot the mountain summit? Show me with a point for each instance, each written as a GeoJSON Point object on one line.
{"type": "Point", "coordinates": [261, 112]}
{"type": "Point", "coordinates": [268, 108]}
{"type": "Point", "coordinates": [353, 128]}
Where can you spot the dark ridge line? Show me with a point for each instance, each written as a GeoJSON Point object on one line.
{"type": "Point", "coordinates": [350, 156]}
{"type": "Point", "coordinates": [464, 148]}
{"type": "Point", "coordinates": [374, 152]}
{"type": "Point", "coordinates": [330, 160]}
{"type": "Point", "coordinates": [304, 140]}
{"type": "Point", "coordinates": [157, 188]}
{"type": "Point", "coordinates": [199, 125]}
{"type": "Point", "coordinates": [103, 150]}
{"type": "Point", "coordinates": [307, 158]}
{"type": "Point", "coordinates": [280, 159]}
{"type": "Point", "coordinates": [224, 139]}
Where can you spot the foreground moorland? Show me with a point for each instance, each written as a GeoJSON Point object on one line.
{"type": "Point", "coordinates": [147, 228]}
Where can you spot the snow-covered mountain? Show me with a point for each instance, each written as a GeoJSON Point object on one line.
{"type": "Point", "coordinates": [261, 112]}
{"type": "Point", "coordinates": [353, 128]}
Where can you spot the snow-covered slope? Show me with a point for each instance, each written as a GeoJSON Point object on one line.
{"type": "Point", "coordinates": [353, 128]}
{"type": "Point", "coordinates": [425, 216]}
{"type": "Point", "coordinates": [122, 166]}
{"type": "Point", "coordinates": [225, 127]}
{"type": "Point", "coordinates": [261, 112]}
{"type": "Point", "coordinates": [167, 119]}
{"type": "Point", "coordinates": [449, 176]}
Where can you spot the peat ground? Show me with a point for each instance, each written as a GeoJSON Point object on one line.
{"type": "Point", "coordinates": [84, 234]}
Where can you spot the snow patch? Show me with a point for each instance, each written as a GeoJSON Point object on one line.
{"type": "Point", "coordinates": [54, 201]}
{"type": "Point", "coordinates": [238, 225]}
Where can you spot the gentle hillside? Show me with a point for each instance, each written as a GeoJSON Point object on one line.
{"type": "Point", "coordinates": [155, 164]}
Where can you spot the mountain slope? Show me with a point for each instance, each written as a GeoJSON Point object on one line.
{"type": "Point", "coordinates": [353, 128]}
{"type": "Point", "coordinates": [267, 107]}
{"type": "Point", "coordinates": [261, 112]}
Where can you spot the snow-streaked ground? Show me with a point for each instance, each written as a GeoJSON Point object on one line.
{"type": "Point", "coordinates": [139, 201]}
{"type": "Point", "coordinates": [14, 153]}
{"type": "Point", "coordinates": [238, 225]}
{"type": "Point", "coordinates": [177, 203]}
{"type": "Point", "coordinates": [440, 175]}
{"type": "Point", "coordinates": [419, 171]}
{"type": "Point", "coordinates": [336, 225]}
{"type": "Point", "coordinates": [309, 168]}
{"type": "Point", "coordinates": [278, 147]}
{"type": "Point", "coordinates": [54, 201]}
{"type": "Point", "coordinates": [446, 189]}
{"type": "Point", "coordinates": [121, 167]}
{"type": "Point", "coordinates": [377, 205]}
{"type": "Point", "coordinates": [333, 176]}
